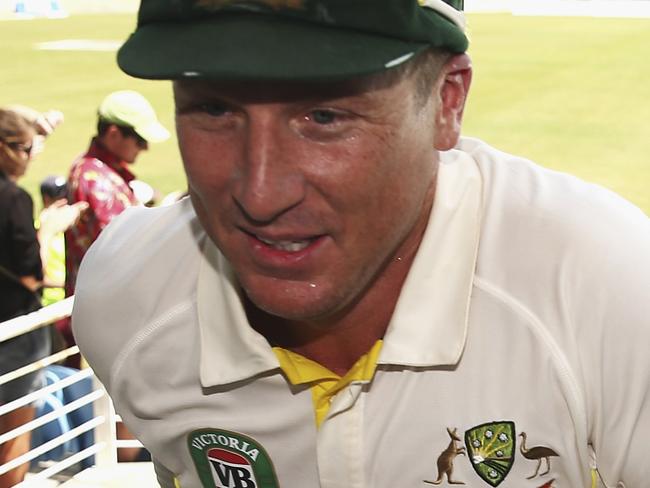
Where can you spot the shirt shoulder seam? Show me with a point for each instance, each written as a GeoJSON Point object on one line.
{"type": "Point", "coordinates": [157, 324]}
{"type": "Point", "coordinates": [538, 327]}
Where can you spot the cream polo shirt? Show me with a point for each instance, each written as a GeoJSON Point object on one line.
{"type": "Point", "coordinates": [516, 356]}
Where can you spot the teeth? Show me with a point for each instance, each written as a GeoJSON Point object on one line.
{"type": "Point", "coordinates": [288, 246]}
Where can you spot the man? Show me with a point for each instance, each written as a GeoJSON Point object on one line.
{"type": "Point", "coordinates": [126, 124]}
{"type": "Point", "coordinates": [353, 295]}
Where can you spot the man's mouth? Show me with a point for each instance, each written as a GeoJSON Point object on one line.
{"type": "Point", "coordinates": [286, 245]}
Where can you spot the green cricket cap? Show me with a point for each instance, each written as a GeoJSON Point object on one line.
{"type": "Point", "coordinates": [129, 108]}
{"type": "Point", "coordinates": [286, 39]}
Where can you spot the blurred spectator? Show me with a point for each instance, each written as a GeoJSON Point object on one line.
{"type": "Point", "coordinates": [21, 275]}
{"type": "Point", "coordinates": [126, 124]}
{"type": "Point", "coordinates": [64, 423]}
{"type": "Point", "coordinates": [44, 123]}
{"type": "Point", "coordinates": [54, 190]}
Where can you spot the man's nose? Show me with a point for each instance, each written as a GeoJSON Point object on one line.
{"type": "Point", "coordinates": [270, 181]}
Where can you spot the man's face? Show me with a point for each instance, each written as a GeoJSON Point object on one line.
{"type": "Point", "coordinates": [126, 144]}
{"type": "Point", "coordinates": [311, 191]}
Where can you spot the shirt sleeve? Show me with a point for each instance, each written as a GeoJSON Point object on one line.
{"type": "Point", "coordinates": [105, 199]}
{"type": "Point", "coordinates": [612, 310]}
{"type": "Point", "coordinates": [25, 249]}
{"type": "Point", "coordinates": [166, 478]}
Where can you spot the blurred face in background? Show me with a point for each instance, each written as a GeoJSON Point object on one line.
{"type": "Point", "coordinates": [124, 143]}
{"type": "Point", "coordinates": [16, 153]}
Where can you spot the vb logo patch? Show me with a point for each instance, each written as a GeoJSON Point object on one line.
{"type": "Point", "coordinates": [491, 450]}
{"type": "Point", "coordinates": [226, 459]}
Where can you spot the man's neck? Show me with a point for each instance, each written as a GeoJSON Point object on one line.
{"type": "Point", "coordinates": [337, 342]}
{"type": "Point", "coordinates": [99, 150]}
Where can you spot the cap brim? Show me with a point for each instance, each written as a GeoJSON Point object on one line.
{"type": "Point", "coordinates": [241, 47]}
{"type": "Point", "coordinates": [153, 132]}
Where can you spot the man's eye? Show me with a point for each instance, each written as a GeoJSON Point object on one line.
{"type": "Point", "coordinates": [323, 116]}
{"type": "Point", "coordinates": [213, 109]}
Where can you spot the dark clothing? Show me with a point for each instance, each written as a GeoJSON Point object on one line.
{"type": "Point", "coordinates": [21, 351]}
{"type": "Point", "coordinates": [19, 250]}
{"type": "Point", "coordinates": [19, 256]}
{"type": "Point", "coordinates": [64, 423]}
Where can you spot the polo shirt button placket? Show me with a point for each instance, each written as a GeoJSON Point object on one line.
{"type": "Point", "coordinates": [340, 441]}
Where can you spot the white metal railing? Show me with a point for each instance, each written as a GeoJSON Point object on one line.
{"type": "Point", "coordinates": [36, 320]}
{"type": "Point", "coordinates": [103, 423]}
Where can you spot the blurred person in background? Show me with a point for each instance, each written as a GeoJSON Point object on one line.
{"type": "Point", "coordinates": [21, 277]}
{"type": "Point", "coordinates": [126, 124]}
{"type": "Point", "coordinates": [54, 191]}
{"type": "Point", "coordinates": [44, 123]}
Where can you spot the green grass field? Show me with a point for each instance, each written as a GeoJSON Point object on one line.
{"type": "Point", "coordinates": [570, 93]}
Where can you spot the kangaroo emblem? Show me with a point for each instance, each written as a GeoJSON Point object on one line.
{"type": "Point", "coordinates": [445, 461]}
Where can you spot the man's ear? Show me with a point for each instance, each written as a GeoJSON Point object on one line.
{"type": "Point", "coordinates": [455, 80]}
{"type": "Point", "coordinates": [111, 136]}
{"type": "Point", "coordinates": [112, 131]}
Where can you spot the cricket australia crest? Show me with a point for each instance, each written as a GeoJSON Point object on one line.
{"type": "Point", "coordinates": [491, 450]}
{"type": "Point", "coordinates": [225, 459]}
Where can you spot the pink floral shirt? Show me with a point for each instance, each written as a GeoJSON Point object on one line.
{"type": "Point", "coordinates": [101, 179]}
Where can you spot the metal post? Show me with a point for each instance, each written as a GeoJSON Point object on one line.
{"type": "Point", "coordinates": [106, 432]}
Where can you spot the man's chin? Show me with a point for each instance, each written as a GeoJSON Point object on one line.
{"type": "Point", "coordinates": [297, 302]}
